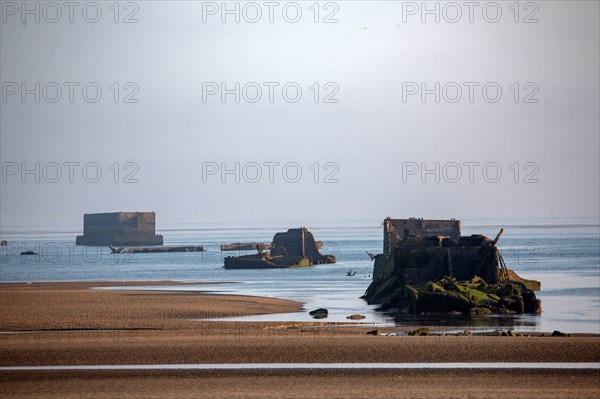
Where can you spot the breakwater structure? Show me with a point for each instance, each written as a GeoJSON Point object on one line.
{"type": "Point", "coordinates": [293, 248]}
{"type": "Point", "coordinates": [427, 266]}
{"type": "Point", "coordinates": [156, 250]}
{"type": "Point", "coordinates": [119, 228]}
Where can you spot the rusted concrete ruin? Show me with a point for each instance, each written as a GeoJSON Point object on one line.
{"type": "Point", "coordinates": [119, 228]}
{"type": "Point", "coordinates": [294, 248]}
{"type": "Point", "coordinates": [428, 267]}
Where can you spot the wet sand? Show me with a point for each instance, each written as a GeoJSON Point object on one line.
{"type": "Point", "coordinates": [63, 306]}
{"type": "Point", "coordinates": [306, 385]}
{"type": "Point", "coordinates": [69, 323]}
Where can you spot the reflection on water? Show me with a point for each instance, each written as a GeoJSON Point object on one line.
{"type": "Point", "coordinates": [473, 323]}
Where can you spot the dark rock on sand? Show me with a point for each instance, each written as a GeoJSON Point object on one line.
{"type": "Point", "coordinates": [319, 313]}
{"type": "Point", "coordinates": [420, 331]}
{"type": "Point", "coordinates": [356, 317]}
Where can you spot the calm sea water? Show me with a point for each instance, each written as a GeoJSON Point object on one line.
{"type": "Point", "coordinates": [564, 254]}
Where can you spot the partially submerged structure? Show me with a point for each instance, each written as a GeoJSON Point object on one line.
{"type": "Point", "coordinates": [153, 250]}
{"type": "Point", "coordinates": [119, 228]}
{"type": "Point", "coordinates": [252, 246]}
{"type": "Point", "coordinates": [294, 248]}
{"type": "Point", "coordinates": [428, 267]}
{"type": "Point", "coordinates": [244, 246]}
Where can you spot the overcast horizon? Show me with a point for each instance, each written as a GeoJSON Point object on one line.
{"type": "Point", "coordinates": [352, 111]}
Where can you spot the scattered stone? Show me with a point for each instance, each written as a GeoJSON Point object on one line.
{"type": "Point", "coordinates": [319, 313]}
{"type": "Point", "coordinates": [420, 331]}
{"type": "Point", "coordinates": [356, 317]}
{"type": "Point", "coordinates": [373, 332]}
{"type": "Point", "coordinates": [507, 333]}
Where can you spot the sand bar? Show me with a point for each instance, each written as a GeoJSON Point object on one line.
{"type": "Point", "coordinates": [72, 324]}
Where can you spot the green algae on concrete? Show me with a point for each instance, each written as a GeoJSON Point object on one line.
{"type": "Point", "coordinates": [422, 273]}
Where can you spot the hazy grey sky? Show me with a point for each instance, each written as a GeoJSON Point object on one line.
{"type": "Point", "coordinates": [369, 123]}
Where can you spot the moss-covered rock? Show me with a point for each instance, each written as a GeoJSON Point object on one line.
{"type": "Point", "coordinates": [420, 332]}
{"type": "Point", "coordinates": [433, 274]}
{"type": "Point", "coordinates": [449, 295]}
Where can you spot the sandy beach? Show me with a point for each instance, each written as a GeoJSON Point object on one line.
{"type": "Point", "coordinates": [72, 324]}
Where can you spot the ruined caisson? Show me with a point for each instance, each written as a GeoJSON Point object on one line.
{"type": "Point", "coordinates": [119, 228]}
{"type": "Point", "coordinates": [428, 267]}
{"type": "Point", "coordinates": [294, 248]}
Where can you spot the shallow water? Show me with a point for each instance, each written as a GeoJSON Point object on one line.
{"type": "Point", "coordinates": [564, 254]}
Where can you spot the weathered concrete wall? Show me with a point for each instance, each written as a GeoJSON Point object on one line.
{"type": "Point", "coordinates": [294, 248]}
{"type": "Point", "coordinates": [429, 268]}
{"type": "Point", "coordinates": [119, 228]}
{"type": "Point", "coordinates": [146, 222]}
{"type": "Point", "coordinates": [397, 230]}
{"type": "Point", "coordinates": [296, 242]}
{"type": "Point", "coordinates": [422, 263]}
